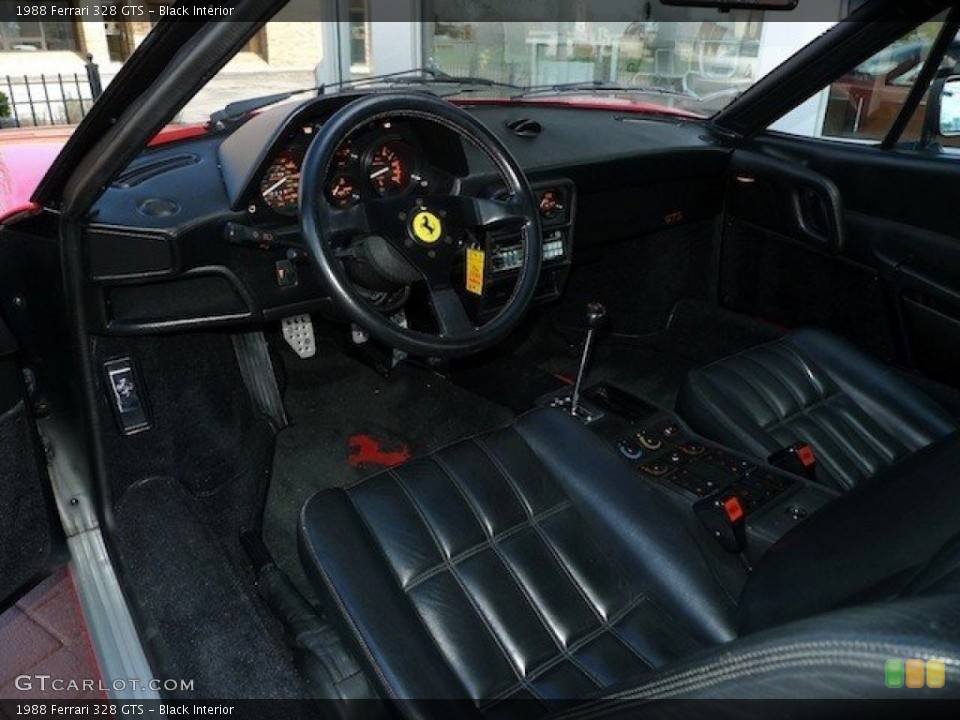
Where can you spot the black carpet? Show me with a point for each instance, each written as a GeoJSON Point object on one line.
{"type": "Point", "coordinates": [339, 407]}
{"type": "Point", "coordinates": [203, 622]}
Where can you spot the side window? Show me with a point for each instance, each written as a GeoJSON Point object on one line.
{"type": "Point", "coordinates": [863, 105]}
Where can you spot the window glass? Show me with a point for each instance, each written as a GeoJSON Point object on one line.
{"type": "Point", "coordinates": [36, 36]}
{"type": "Point", "coordinates": [862, 105]}
{"type": "Point", "coordinates": [698, 66]}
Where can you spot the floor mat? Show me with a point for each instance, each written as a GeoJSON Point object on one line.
{"type": "Point", "coordinates": [206, 623]}
{"type": "Point", "coordinates": [349, 422]}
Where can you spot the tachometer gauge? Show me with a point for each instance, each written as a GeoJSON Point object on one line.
{"type": "Point", "coordinates": [390, 167]}
{"type": "Point", "coordinates": [342, 191]}
{"type": "Point", "coordinates": [280, 187]}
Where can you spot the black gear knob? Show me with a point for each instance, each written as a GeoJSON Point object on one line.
{"type": "Point", "coordinates": [596, 315]}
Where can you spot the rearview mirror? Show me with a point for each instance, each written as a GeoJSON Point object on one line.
{"type": "Point", "coordinates": [736, 4]}
{"type": "Point", "coordinates": [950, 107]}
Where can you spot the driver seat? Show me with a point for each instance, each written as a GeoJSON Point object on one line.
{"type": "Point", "coordinates": [532, 564]}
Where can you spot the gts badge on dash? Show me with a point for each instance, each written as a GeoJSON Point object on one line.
{"type": "Point", "coordinates": [427, 227]}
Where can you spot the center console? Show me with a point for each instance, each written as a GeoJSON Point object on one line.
{"type": "Point", "coordinates": [744, 504]}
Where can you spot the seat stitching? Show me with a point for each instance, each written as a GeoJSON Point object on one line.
{"type": "Point", "coordinates": [556, 555]}
{"type": "Point", "coordinates": [526, 594]}
{"type": "Point", "coordinates": [878, 447]}
{"type": "Point", "coordinates": [826, 651]}
{"type": "Point", "coordinates": [807, 366]}
{"type": "Point", "coordinates": [780, 377]}
{"type": "Point", "coordinates": [804, 410]}
{"type": "Point", "coordinates": [822, 421]}
{"type": "Point", "coordinates": [480, 547]}
{"type": "Point", "coordinates": [453, 574]}
{"type": "Point", "coordinates": [761, 392]}
{"type": "Point", "coordinates": [550, 664]}
{"type": "Point", "coordinates": [423, 623]}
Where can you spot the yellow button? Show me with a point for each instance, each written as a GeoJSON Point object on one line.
{"type": "Point", "coordinates": [914, 673]}
{"type": "Point", "coordinates": [427, 227]}
{"type": "Point", "coordinates": [936, 673]}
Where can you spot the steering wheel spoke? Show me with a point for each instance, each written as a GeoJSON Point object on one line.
{"type": "Point", "coordinates": [347, 221]}
{"type": "Point", "coordinates": [450, 312]}
{"type": "Point", "coordinates": [475, 212]}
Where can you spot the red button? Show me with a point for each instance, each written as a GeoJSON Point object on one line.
{"type": "Point", "coordinates": [807, 458]}
{"type": "Point", "coordinates": [734, 509]}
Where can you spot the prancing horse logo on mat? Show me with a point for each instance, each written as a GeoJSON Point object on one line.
{"type": "Point", "coordinates": [367, 451]}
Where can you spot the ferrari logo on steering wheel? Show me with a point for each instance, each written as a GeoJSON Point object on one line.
{"type": "Point", "coordinates": [427, 227]}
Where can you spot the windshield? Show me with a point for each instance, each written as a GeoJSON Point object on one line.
{"type": "Point", "coordinates": [52, 72]}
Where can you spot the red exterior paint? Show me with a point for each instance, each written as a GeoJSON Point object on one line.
{"type": "Point", "coordinates": [366, 451]}
{"type": "Point", "coordinates": [586, 102]}
{"type": "Point", "coordinates": [27, 153]}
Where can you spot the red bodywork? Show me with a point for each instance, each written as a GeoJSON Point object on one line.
{"type": "Point", "coordinates": [27, 153]}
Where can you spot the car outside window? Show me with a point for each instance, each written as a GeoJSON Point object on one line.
{"type": "Point", "coordinates": [862, 106]}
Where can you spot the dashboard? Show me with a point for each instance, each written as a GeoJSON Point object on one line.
{"type": "Point", "coordinates": [204, 232]}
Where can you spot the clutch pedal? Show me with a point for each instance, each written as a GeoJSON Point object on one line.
{"type": "Point", "coordinates": [298, 332]}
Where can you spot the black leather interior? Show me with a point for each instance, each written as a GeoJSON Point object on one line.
{"type": "Point", "coordinates": [483, 571]}
{"type": "Point", "coordinates": [531, 563]}
{"type": "Point", "coordinates": [859, 415]}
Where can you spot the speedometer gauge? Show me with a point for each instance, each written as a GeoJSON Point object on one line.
{"type": "Point", "coordinates": [391, 167]}
{"type": "Point", "coordinates": [280, 187]}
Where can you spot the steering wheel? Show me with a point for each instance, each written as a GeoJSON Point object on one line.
{"type": "Point", "coordinates": [423, 235]}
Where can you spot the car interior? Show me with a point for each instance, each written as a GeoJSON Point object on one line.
{"type": "Point", "coordinates": [516, 405]}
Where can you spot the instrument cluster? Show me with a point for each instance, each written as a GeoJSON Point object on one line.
{"type": "Point", "coordinates": [382, 160]}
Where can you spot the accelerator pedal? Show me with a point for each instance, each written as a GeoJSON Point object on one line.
{"type": "Point", "coordinates": [298, 332]}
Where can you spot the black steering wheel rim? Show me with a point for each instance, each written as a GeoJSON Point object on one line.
{"type": "Point", "coordinates": [321, 224]}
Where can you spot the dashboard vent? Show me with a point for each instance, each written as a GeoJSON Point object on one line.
{"type": "Point", "coordinates": [134, 176]}
{"type": "Point", "coordinates": [525, 128]}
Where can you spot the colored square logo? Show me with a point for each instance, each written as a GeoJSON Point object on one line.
{"type": "Point", "coordinates": [915, 673]}
{"type": "Point", "coordinates": [894, 673]}
{"type": "Point", "coordinates": [936, 674]}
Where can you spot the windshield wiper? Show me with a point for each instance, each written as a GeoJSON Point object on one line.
{"type": "Point", "coordinates": [601, 86]}
{"type": "Point", "coordinates": [237, 111]}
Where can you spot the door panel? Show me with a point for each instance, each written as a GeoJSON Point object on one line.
{"type": "Point", "coordinates": [893, 283]}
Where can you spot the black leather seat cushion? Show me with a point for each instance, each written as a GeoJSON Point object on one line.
{"type": "Point", "coordinates": [859, 415]}
{"type": "Point", "coordinates": [526, 563]}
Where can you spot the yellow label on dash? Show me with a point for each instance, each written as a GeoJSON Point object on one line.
{"type": "Point", "coordinates": [475, 261]}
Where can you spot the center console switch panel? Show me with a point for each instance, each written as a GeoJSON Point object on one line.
{"type": "Point", "coordinates": [714, 481]}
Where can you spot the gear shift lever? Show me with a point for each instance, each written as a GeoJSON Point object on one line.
{"type": "Point", "coordinates": [596, 317]}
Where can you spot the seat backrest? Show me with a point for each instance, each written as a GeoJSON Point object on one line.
{"type": "Point", "coordinates": [897, 535]}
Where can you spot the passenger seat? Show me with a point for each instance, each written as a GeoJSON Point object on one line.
{"type": "Point", "coordinates": [810, 386]}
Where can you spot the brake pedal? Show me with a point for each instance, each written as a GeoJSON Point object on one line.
{"type": "Point", "coordinates": [298, 332]}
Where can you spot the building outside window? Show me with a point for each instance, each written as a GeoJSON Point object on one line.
{"type": "Point", "coordinates": [358, 15]}
{"type": "Point", "coordinates": [38, 36]}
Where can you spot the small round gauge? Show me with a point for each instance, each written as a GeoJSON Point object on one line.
{"type": "Point", "coordinates": [342, 191]}
{"type": "Point", "coordinates": [391, 167]}
{"type": "Point", "coordinates": [280, 187]}
{"type": "Point", "coordinates": [345, 154]}
{"type": "Point", "coordinates": [551, 205]}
